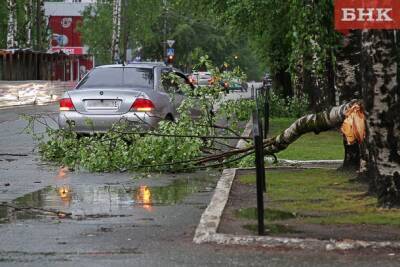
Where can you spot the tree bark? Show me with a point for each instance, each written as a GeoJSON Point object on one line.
{"type": "Point", "coordinates": [28, 23]}
{"type": "Point", "coordinates": [44, 38]}
{"type": "Point", "coordinates": [381, 97]}
{"type": "Point", "coordinates": [115, 54]}
{"type": "Point", "coordinates": [348, 86]}
{"type": "Point", "coordinates": [12, 24]}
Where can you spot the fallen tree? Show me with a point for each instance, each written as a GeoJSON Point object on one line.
{"type": "Point", "coordinates": [319, 122]}
{"type": "Point", "coordinates": [174, 146]}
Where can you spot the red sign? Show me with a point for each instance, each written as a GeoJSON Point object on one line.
{"type": "Point", "coordinates": [367, 14]}
{"type": "Point", "coordinates": [69, 50]}
{"type": "Point", "coordinates": [65, 31]}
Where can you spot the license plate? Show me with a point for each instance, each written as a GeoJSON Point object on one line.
{"type": "Point", "coordinates": [103, 103]}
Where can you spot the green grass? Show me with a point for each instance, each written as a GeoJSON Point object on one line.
{"type": "Point", "coordinates": [325, 146]}
{"type": "Point", "coordinates": [320, 196]}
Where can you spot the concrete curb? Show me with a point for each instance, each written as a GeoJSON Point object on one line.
{"type": "Point", "coordinates": [247, 132]}
{"type": "Point", "coordinates": [206, 231]}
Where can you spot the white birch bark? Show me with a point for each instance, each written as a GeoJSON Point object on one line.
{"type": "Point", "coordinates": [116, 19]}
{"type": "Point", "coordinates": [44, 38]}
{"type": "Point", "coordinates": [316, 123]}
{"type": "Point", "coordinates": [28, 23]}
{"type": "Point", "coordinates": [382, 105]}
{"type": "Point", "coordinates": [12, 24]}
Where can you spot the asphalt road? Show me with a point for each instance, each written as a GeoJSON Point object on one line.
{"type": "Point", "coordinates": [119, 219]}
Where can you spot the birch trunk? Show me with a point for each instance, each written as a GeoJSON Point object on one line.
{"type": "Point", "coordinates": [44, 39]}
{"type": "Point", "coordinates": [348, 86]}
{"type": "Point", "coordinates": [319, 122]}
{"type": "Point", "coordinates": [12, 24]}
{"type": "Point", "coordinates": [382, 105]}
{"type": "Point", "coordinates": [115, 54]}
{"type": "Point", "coordinates": [28, 23]}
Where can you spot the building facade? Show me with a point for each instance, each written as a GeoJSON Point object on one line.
{"type": "Point", "coordinates": [64, 18]}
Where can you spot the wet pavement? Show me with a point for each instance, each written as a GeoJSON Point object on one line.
{"type": "Point", "coordinates": [50, 216]}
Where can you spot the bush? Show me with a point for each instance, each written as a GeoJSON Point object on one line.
{"type": "Point", "coordinates": [291, 107]}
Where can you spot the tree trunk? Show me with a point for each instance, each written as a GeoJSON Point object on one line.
{"type": "Point", "coordinates": [44, 38]}
{"type": "Point", "coordinates": [28, 23]}
{"type": "Point", "coordinates": [382, 106]}
{"type": "Point", "coordinates": [282, 81]}
{"type": "Point", "coordinates": [12, 24]}
{"type": "Point", "coordinates": [115, 54]}
{"type": "Point", "coordinates": [319, 122]}
{"type": "Point", "coordinates": [348, 87]}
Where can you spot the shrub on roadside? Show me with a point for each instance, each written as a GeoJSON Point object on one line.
{"type": "Point", "coordinates": [291, 107]}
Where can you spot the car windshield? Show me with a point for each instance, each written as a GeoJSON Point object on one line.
{"type": "Point", "coordinates": [118, 77]}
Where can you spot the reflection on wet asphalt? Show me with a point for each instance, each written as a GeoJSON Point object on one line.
{"type": "Point", "coordinates": [93, 201]}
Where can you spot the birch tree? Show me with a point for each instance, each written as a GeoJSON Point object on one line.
{"type": "Point", "coordinates": [348, 86]}
{"type": "Point", "coordinates": [116, 18]}
{"type": "Point", "coordinates": [28, 23]}
{"type": "Point", "coordinates": [12, 24]}
{"type": "Point", "coordinates": [382, 105]}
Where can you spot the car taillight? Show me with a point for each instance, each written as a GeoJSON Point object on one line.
{"type": "Point", "coordinates": [142, 105]}
{"type": "Point", "coordinates": [192, 80]}
{"type": "Point", "coordinates": [66, 104]}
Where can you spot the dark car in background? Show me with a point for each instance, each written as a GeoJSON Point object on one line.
{"type": "Point", "coordinates": [234, 85]}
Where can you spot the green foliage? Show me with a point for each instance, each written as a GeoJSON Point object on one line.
{"type": "Point", "coordinates": [291, 107]}
{"type": "Point", "coordinates": [194, 30]}
{"type": "Point", "coordinates": [97, 30]}
{"type": "Point", "coordinates": [21, 31]}
{"type": "Point", "coordinates": [3, 25]}
{"type": "Point", "coordinates": [295, 39]}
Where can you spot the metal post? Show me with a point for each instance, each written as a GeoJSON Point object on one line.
{"type": "Point", "coordinates": [260, 172]}
{"type": "Point", "coordinates": [260, 130]}
{"type": "Point", "coordinates": [266, 111]}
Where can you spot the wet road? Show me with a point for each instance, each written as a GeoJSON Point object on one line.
{"type": "Point", "coordinates": [53, 217]}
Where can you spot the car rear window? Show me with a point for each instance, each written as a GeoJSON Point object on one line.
{"type": "Point", "coordinates": [118, 77]}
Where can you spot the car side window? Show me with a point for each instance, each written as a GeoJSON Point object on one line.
{"type": "Point", "coordinates": [171, 82]}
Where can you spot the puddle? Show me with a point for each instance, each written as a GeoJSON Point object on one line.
{"type": "Point", "coordinates": [87, 201]}
{"type": "Point", "coordinates": [8, 215]}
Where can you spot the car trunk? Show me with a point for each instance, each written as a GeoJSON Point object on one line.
{"type": "Point", "coordinates": [103, 101]}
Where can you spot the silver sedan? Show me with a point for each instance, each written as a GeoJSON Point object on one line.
{"type": "Point", "coordinates": [109, 94]}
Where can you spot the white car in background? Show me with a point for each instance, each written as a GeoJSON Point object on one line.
{"type": "Point", "coordinates": [201, 78]}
